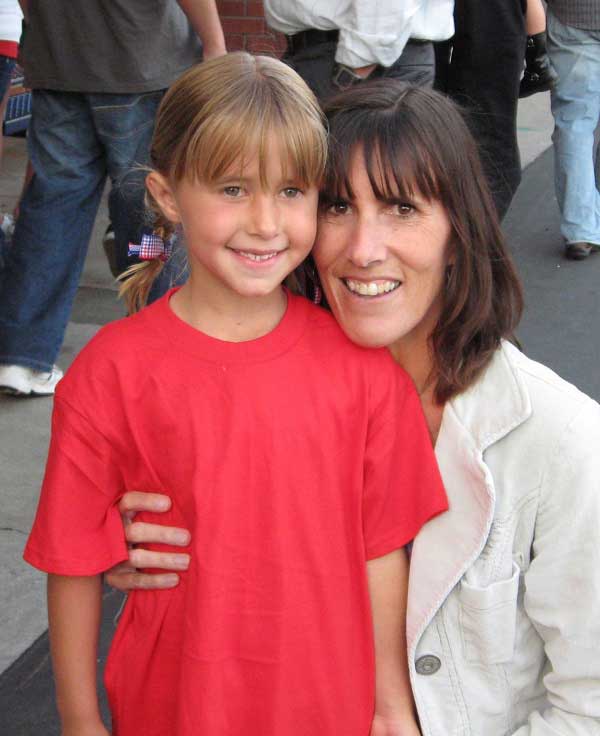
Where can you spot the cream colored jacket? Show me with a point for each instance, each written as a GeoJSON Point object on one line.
{"type": "Point", "coordinates": [504, 599]}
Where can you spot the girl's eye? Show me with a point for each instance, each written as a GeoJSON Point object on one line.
{"type": "Point", "coordinates": [291, 192]}
{"type": "Point", "coordinates": [232, 191]}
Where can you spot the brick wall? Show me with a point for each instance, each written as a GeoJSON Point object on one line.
{"type": "Point", "coordinates": [245, 28]}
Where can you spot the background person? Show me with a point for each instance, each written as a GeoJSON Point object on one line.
{"type": "Point", "coordinates": [98, 71]}
{"type": "Point", "coordinates": [10, 33]}
{"type": "Point", "coordinates": [334, 45]}
{"type": "Point", "coordinates": [539, 76]}
{"type": "Point", "coordinates": [574, 49]}
{"type": "Point", "coordinates": [495, 644]}
{"type": "Point", "coordinates": [483, 73]}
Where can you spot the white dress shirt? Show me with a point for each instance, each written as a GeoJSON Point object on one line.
{"type": "Point", "coordinates": [371, 32]}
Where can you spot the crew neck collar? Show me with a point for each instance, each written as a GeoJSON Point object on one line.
{"type": "Point", "coordinates": [211, 349]}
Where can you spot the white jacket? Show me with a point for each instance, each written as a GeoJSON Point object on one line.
{"type": "Point", "coordinates": [504, 599]}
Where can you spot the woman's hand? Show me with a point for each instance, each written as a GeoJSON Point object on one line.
{"type": "Point", "coordinates": [126, 576]}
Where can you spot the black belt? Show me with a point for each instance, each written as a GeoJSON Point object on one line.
{"type": "Point", "coordinates": [312, 37]}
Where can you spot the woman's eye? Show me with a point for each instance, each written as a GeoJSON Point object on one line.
{"type": "Point", "coordinates": [232, 191]}
{"type": "Point", "coordinates": [338, 208]}
{"type": "Point", "coordinates": [404, 209]}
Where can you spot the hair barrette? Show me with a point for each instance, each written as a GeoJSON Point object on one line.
{"type": "Point", "coordinates": [151, 247]}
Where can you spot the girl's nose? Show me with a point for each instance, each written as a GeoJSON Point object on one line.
{"type": "Point", "coordinates": [264, 219]}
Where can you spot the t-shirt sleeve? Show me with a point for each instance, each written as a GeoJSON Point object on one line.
{"type": "Point", "coordinates": [402, 487]}
{"type": "Point", "coordinates": [77, 528]}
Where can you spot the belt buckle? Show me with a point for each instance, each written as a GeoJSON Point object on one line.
{"type": "Point", "coordinates": [344, 77]}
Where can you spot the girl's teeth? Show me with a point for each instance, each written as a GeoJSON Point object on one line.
{"type": "Point", "coordinates": [256, 257]}
{"type": "Point", "coordinates": [371, 288]}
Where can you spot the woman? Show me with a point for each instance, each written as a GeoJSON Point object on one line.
{"type": "Point", "coordinates": [504, 600]}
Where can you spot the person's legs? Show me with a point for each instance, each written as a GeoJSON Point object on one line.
{"type": "Point", "coordinates": [57, 212]}
{"type": "Point", "coordinates": [124, 125]}
{"type": "Point", "coordinates": [538, 75]}
{"type": "Point", "coordinates": [484, 75]}
{"type": "Point", "coordinates": [416, 64]}
{"type": "Point", "coordinates": [575, 55]}
{"type": "Point", "coordinates": [6, 67]}
{"type": "Point", "coordinates": [535, 17]}
{"type": "Point", "coordinates": [315, 64]}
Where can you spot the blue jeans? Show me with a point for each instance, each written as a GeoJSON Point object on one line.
{"type": "Point", "coordinates": [575, 55]}
{"type": "Point", "coordinates": [75, 141]}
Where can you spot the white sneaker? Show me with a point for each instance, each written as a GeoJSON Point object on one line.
{"type": "Point", "coordinates": [21, 381]}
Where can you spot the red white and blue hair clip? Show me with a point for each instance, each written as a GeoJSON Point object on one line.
{"type": "Point", "coordinates": [151, 247]}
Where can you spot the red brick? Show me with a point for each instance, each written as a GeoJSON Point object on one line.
{"type": "Point", "coordinates": [235, 43]}
{"type": "Point", "coordinates": [230, 9]}
{"type": "Point", "coordinates": [243, 25]}
{"type": "Point", "coordinates": [254, 9]}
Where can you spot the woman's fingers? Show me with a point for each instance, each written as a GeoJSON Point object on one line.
{"type": "Point", "coordinates": [160, 560]}
{"type": "Point", "coordinates": [139, 532]}
{"type": "Point", "coordinates": [127, 579]}
{"type": "Point", "coordinates": [134, 501]}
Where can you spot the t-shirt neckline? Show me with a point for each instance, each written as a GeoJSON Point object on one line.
{"type": "Point", "coordinates": [211, 349]}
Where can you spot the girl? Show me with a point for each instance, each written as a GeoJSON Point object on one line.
{"type": "Point", "coordinates": [259, 415]}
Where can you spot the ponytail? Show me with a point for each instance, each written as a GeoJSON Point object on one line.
{"type": "Point", "coordinates": [137, 280]}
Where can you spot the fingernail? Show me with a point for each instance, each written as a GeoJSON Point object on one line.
{"type": "Point", "coordinates": [171, 581]}
{"type": "Point", "coordinates": [181, 560]}
{"type": "Point", "coordinates": [182, 537]}
{"type": "Point", "coordinates": [161, 504]}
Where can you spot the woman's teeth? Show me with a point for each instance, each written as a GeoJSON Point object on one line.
{"type": "Point", "coordinates": [371, 288]}
{"type": "Point", "coordinates": [257, 257]}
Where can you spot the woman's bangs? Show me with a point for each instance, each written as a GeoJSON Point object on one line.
{"type": "Point", "coordinates": [398, 167]}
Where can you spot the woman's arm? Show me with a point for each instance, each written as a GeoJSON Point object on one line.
{"type": "Point", "coordinates": [388, 585]}
{"type": "Point", "coordinates": [74, 608]}
{"type": "Point", "coordinates": [126, 576]}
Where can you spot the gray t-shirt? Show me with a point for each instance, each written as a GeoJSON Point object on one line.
{"type": "Point", "coordinates": [111, 46]}
{"type": "Point", "coordinates": [577, 13]}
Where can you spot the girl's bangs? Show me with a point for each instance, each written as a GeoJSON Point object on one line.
{"type": "Point", "coordinates": [226, 143]}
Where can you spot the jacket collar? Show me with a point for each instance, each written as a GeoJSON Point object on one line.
{"type": "Point", "coordinates": [448, 544]}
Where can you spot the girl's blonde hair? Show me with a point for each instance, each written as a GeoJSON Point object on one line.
{"type": "Point", "coordinates": [220, 113]}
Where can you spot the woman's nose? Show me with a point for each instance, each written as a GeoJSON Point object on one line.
{"type": "Point", "coordinates": [365, 246]}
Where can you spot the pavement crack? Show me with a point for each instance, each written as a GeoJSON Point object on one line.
{"type": "Point", "coordinates": [12, 529]}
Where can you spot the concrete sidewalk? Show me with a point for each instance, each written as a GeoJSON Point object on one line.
{"type": "Point", "coordinates": [559, 328]}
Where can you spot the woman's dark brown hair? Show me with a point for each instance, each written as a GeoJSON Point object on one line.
{"type": "Point", "coordinates": [416, 140]}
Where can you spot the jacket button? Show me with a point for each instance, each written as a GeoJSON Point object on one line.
{"type": "Point", "coordinates": [427, 665]}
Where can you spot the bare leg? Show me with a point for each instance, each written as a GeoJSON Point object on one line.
{"type": "Point", "coordinates": [535, 17]}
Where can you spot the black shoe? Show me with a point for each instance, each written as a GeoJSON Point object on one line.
{"type": "Point", "coordinates": [578, 251]}
{"type": "Point", "coordinates": [539, 76]}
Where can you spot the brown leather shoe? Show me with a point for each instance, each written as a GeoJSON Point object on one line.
{"type": "Point", "coordinates": [578, 251]}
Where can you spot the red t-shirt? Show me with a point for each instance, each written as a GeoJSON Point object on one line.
{"type": "Point", "coordinates": [294, 459]}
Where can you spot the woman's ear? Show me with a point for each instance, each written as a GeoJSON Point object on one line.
{"type": "Point", "coordinates": [161, 192]}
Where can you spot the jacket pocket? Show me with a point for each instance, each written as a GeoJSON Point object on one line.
{"type": "Point", "coordinates": [488, 619]}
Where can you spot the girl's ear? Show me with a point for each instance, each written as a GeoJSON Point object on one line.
{"type": "Point", "coordinates": [161, 192]}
